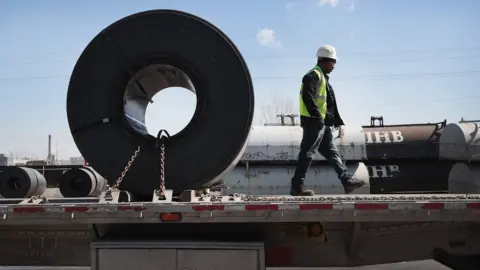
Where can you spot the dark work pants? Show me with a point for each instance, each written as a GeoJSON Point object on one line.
{"type": "Point", "coordinates": [317, 137]}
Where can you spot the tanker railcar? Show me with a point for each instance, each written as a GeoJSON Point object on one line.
{"type": "Point", "coordinates": [408, 158]}
{"type": "Point", "coordinates": [461, 142]}
{"type": "Point", "coordinates": [384, 176]}
{"type": "Point", "coordinates": [281, 144]}
{"type": "Point", "coordinates": [408, 141]}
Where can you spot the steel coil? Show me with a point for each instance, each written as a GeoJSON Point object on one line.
{"type": "Point", "coordinates": [21, 182]}
{"type": "Point", "coordinates": [81, 182]}
{"type": "Point", "coordinates": [130, 61]}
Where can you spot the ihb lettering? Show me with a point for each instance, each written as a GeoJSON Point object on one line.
{"type": "Point", "coordinates": [384, 136]}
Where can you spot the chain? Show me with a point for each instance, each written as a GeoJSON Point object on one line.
{"type": "Point", "coordinates": [371, 198]}
{"type": "Point", "coordinates": [125, 170]}
{"type": "Point", "coordinates": [162, 134]}
{"type": "Point", "coordinates": [162, 169]}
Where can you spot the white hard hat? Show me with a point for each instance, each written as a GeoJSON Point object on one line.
{"type": "Point", "coordinates": [327, 51]}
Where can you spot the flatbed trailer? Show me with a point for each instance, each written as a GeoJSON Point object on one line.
{"type": "Point", "coordinates": [240, 232]}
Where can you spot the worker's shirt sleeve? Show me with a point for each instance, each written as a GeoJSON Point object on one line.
{"type": "Point", "coordinates": [311, 82]}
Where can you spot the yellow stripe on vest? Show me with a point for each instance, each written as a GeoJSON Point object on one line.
{"type": "Point", "coordinates": [320, 97]}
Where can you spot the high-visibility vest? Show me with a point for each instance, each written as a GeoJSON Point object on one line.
{"type": "Point", "coordinates": [320, 98]}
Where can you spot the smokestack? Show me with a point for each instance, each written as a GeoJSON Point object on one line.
{"type": "Point", "coordinates": [49, 157]}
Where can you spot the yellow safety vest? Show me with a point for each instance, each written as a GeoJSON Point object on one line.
{"type": "Point", "coordinates": [320, 98]}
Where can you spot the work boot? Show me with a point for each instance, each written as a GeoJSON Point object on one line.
{"type": "Point", "coordinates": [301, 191]}
{"type": "Point", "coordinates": [351, 183]}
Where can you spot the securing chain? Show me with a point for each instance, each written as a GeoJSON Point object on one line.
{"type": "Point", "coordinates": [162, 169]}
{"type": "Point", "coordinates": [125, 170]}
{"type": "Point", "coordinates": [161, 136]}
{"type": "Point", "coordinates": [370, 198]}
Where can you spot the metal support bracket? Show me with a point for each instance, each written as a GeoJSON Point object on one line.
{"type": "Point", "coordinates": [35, 200]}
{"type": "Point", "coordinates": [115, 196]}
{"type": "Point", "coordinates": [166, 197]}
{"type": "Point", "coordinates": [204, 195]}
{"type": "Point", "coordinates": [188, 196]}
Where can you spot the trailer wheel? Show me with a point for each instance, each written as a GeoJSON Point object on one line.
{"type": "Point", "coordinates": [130, 61]}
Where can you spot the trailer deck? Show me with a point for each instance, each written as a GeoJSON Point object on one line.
{"type": "Point", "coordinates": [241, 208]}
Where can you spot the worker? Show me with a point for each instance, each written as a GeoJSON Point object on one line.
{"type": "Point", "coordinates": [318, 114]}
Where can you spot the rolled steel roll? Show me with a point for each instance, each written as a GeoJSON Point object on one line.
{"type": "Point", "coordinates": [130, 61]}
{"type": "Point", "coordinates": [21, 182]}
{"type": "Point", "coordinates": [52, 173]}
{"type": "Point", "coordinates": [81, 182]}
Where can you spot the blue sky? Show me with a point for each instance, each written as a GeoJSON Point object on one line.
{"type": "Point", "coordinates": [410, 61]}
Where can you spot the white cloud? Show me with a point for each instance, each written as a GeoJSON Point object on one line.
{"type": "Point", "coordinates": [290, 5]}
{"type": "Point", "coordinates": [266, 37]}
{"type": "Point", "coordinates": [351, 7]}
{"type": "Point", "coordinates": [332, 3]}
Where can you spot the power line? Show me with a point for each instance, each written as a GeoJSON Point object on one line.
{"type": "Point", "coordinates": [392, 104]}
{"type": "Point", "coordinates": [284, 58]}
{"type": "Point", "coordinates": [28, 78]}
{"type": "Point", "coordinates": [373, 61]}
{"type": "Point", "coordinates": [309, 55]}
{"type": "Point", "coordinates": [384, 77]}
{"type": "Point", "coordinates": [367, 77]}
{"type": "Point", "coordinates": [396, 52]}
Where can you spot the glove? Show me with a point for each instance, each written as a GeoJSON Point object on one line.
{"type": "Point", "coordinates": [320, 122]}
{"type": "Point", "coordinates": [329, 119]}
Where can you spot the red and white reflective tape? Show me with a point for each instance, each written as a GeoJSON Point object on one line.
{"type": "Point", "coordinates": [236, 207]}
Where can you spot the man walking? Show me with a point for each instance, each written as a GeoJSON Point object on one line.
{"type": "Point", "coordinates": [318, 113]}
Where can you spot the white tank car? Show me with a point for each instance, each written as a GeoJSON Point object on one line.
{"type": "Point", "coordinates": [460, 141]}
{"type": "Point", "coordinates": [275, 179]}
{"type": "Point", "coordinates": [464, 178]}
{"type": "Point", "coordinates": [282, 143]}
{"type": "Point", "coordinates": [260, 172]}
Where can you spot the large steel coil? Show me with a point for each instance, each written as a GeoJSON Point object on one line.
{"type": "Point", "coordinates": [125, 65]}
{"type": "Point", "coordinates": [21, 182]}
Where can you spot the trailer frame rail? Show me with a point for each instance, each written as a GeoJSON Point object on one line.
{"type": "Point", "coordinates": [237, 209]}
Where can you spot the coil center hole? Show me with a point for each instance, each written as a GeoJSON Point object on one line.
{"type": "Point", "coordinates": [75, 183]}
{"type": "Point", "coordinates": [159, 97]}
{"type": "Point", "coordinates": [14, 183]}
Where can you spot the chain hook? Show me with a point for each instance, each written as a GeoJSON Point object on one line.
{"type": "Point", "coordinates": [161, 136]}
